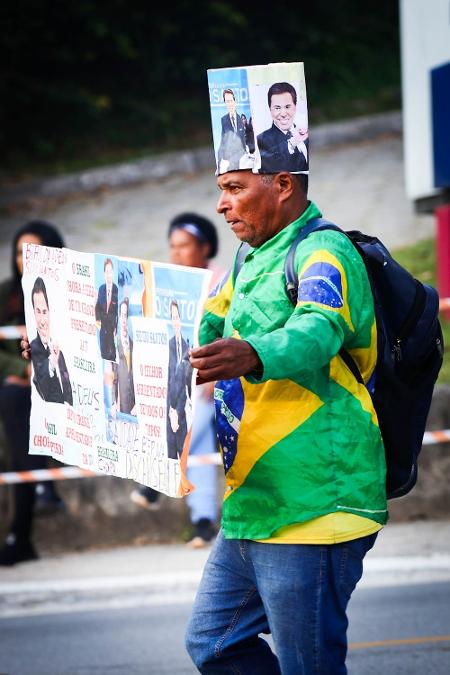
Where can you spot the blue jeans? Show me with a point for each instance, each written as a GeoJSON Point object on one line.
{"type": "Point", "coordinates": [297, 592]}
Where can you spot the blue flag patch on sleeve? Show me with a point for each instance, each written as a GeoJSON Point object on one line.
{"type": "Point", "coordinates": [321, 283]}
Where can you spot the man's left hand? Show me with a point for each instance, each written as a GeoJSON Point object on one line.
{"type": "Point", "coordinates": [224, 359]}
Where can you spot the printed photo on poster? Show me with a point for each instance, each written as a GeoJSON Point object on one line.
{"type": "Point", "coordinates": [50, 374]}
{"type": "Point", "coordinates": [177, 292]}
{"type": "Point", "coordinates": [280, 118]}
{"type": "Point", "coordinates": [131, 289]}
{"type": "Point", "coordinates": [233, 137]}
{"type": "Point", "coordinates": [113, 415]}
{"type": "Point", "coordinates": [106, 307]}
{"type": "Point", "coordinates": [118, 377]}
{"type": "Point", "coordinates": [260, 118]}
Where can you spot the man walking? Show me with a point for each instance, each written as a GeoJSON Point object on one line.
{"type": "Point", "coordinates": [302, 450]}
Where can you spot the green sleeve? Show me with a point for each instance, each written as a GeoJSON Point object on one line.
{"type": "Point", "coordinates": [312, 337]}
{"type": "Point", "coordinates": [211, 328]}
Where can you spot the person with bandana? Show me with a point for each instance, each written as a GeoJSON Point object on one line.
{"type": "Point", "coordinates": [193, 242]}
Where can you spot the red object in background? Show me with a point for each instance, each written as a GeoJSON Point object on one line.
{"type": "Point", "coordinates": [443, 253]}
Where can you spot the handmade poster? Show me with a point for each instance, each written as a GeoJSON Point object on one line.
{"type": "Point", "coordinates": [259, 118]}
{"type": "Point", "coordinates": [112, 386]}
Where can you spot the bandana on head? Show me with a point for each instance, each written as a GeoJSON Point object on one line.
{"type": "Point", "coordinates": [260, 118]}
{"type": "Point", "coordinates": [192, 229]}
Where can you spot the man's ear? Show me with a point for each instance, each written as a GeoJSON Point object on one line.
{"type": "Point", "coordinates": [284, 182]}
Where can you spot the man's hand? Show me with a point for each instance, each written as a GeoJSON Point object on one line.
{"type": "Point", "coordinates": [224, 359]}
{"type": "Point", "coordinates": [25, 346]}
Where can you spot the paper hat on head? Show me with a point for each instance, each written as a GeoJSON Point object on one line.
{"type": "Point", "coordinates": [260, 118]}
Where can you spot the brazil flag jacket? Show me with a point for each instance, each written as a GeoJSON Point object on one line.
{"type": "Point", "coordinates": [303, 441]}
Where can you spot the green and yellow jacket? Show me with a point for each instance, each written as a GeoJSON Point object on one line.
{"type": "Point", "coordinates": [303, 441]}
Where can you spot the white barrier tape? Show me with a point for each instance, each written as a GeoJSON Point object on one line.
{"type": "Point", "coordinates": [432, 437]}
{"type": "Point", "coordinates": [66, 472]}
{"type": "Point", "coordinates": [444, 303]}
{"type": "Point", "coordinates": [39, 475]}
{"type": "Point", "coordinates": [201, 460]}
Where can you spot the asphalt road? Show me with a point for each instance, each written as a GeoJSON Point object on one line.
{"type": "Point", "coordinates": [403, 630]}
{"type": "Point", "coordinates": [125, 610]}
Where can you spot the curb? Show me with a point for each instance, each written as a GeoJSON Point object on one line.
{"type": "Point", "coordinates": [183, 163]}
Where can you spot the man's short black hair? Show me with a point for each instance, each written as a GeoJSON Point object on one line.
{"type": "Point", "coordinates": [301, 178]}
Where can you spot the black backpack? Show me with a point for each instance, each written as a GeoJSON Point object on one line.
{"type": "Point", "coordinates": [410, 349]}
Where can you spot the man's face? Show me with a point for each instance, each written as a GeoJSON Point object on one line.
{"type": "Point", "coordinates": [250, 206]}
{"type": "Point", "coordinates": [282, 109]}
{"type": "Point", "coordinates": [124, 320]}
{"type": "Point", "coordinates": [230, 103]}
{"type": "Point", "coordinates": [176, 322]}
{"type": "Point", "coordinates": [109, 274]}
{"type": "Point", "coordinates": [42, 317]}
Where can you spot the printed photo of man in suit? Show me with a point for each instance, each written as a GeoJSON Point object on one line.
{"type": "Point", "coordinates": [178, 386]}
{"type": "Point", "coordinates": [232, 143]}
{"type": "Point", "coordinates": [283, 147]}
{"type": "Point", "coordinates": [51, 377]}
{"type": "Point", "coordinates": [125, 385]}
{"type": "Point", "coordinates": [106, 312]}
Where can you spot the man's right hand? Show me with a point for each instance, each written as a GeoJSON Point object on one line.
{"type": "Point", "coordinates": [224, 359]}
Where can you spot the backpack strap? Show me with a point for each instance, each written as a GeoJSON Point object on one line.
{"type": "Point", "coordinates": [289, 268]}
{"type": "Point", "coordinates": [291, 279]}
{"type": "Point", "coordinates": [243, 249]}
{"type": "Point", "coordinates": [290, 273]}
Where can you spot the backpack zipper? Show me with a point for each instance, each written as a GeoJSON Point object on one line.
{"type": "Point", "coordinates": [410, 321]}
